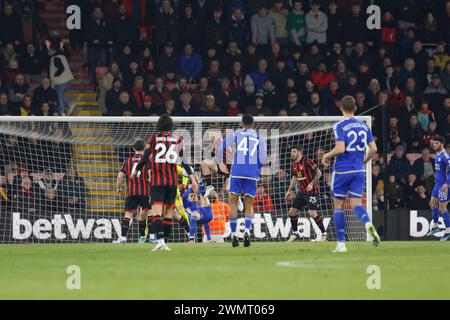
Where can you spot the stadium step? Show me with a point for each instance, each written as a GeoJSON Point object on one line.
{"type": "Point", "coordinates": [79, 103]}
{"type": "Point", "coordinates": [101, 184]}
{"type": "Point", "coordinates": [104, 192]}
{"type": "Point", "coordinates": [93, 147]}
{"type": "Point", "coordinates": [90, 130]}
{"type": "Point", "coordinates": [97, 165]}
{"type": "Point", "coordinates": [106, 212]}
{"type": "Point", "coordinates": [89, 152]}
{"type": "Point", "coordinates": [95, 161]}
{"type": "Point", "coordinates": [82, 97]}
{"type": "Point", "coordinates": [85, 112]}
{"type": "Point", "coordinates": [108, 209]}
{"type": "Point", "coordinates": [103, 202]}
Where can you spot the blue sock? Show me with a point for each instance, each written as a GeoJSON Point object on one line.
{"type": "Point", "coordinates": [339, 223]}
{"type": "Point", "coordinates": [207, 231]}
{"type": "Point", "coordinates": [446, 218]}
{"type": "Point", "coordinates": [233, 225]}
{"type": "Point", "coordinates": [248, 223]}
{"type": "Point", "coordinates": [435, 214]}
{"type": "Point", "coordinates": [192, 228]}
{"type": "Point", "coordinates": [362, 214]}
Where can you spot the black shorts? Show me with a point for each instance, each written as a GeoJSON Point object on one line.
{"type": "Point", "coordinates": [306, 201]}
{"type": "Point", "coordinates": [164, 195]}
{"type": "Point", "coordinates": [132, 203]}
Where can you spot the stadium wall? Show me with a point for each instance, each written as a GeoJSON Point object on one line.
{"type": "Point", "coordinates": [73, 227]}
{"type": "Point", "coordinates": [407, 224]}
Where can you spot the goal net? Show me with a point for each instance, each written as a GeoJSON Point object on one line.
{"type": "Point", "coordinates": [58, 176]}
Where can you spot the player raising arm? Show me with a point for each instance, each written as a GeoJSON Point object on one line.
{"type": "Point", "coordinates": [249, 157]}
{"type": "Point", "coordinates": [348, 179]}
{"type": "Point", "coordinates": [181, 216]}
{"type": "Point", "coordinates": [137, 195]}
{"type": "Point", "coordinates": [163, 150]}
{"type": "Point", "coordinates": [200, 211]}
{"type": "Point", "coordinates": [441, 191]}
{"type": "Point", "coordinates": [305, 173]}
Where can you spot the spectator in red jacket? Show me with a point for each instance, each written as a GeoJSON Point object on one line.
{"type": "Point", "coordinates": [396, 98]}
{"type": "Point", "coordinates": [322, 77]}
{"type": "Point", "coordinates": [138, 92]}
{"type": "Point", "coordinates": [160, 94]}
{"type": "Point", "coordinates": [263, 201]}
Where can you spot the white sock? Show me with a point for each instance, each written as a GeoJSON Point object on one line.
{"type": "Point", "coordinates": [161, 241]}
{"type": "Point", "coordinates": [447, 230]}
{"type": "Point", "coordinates": [247, 231]}
{"type": "Point", "coordinates": [233, 234]}
{"type": "Point", "coordinates": [367, 225]}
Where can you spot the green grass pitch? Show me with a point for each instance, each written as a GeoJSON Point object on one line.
{"type": "Point", "coordinates": [409, 270]}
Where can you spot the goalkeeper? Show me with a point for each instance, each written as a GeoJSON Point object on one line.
{"type": "Point", "coordinates": [180, 214]}
{"type": "Point", "coordinates": [199, 210]}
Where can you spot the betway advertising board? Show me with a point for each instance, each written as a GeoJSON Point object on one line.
{"type": "Point", "coordinates": [16, 228]}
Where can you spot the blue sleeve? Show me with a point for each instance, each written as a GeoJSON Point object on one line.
{"type": "Point", "coordinates": [338, 133]}
{"type": "Point", "coordinates": [185, 197]}
{"type": "Point", "coordinates": [198, 66]}
{"type": "Point", "coordinates": [183, 67]}
{"type": "Point", "coordinates": [369, 136]}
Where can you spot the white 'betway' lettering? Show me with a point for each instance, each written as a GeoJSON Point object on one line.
{"type": "Point", "coordinates": [280, 228]}
{"type": "Point", "coordinates": [42, 229]}
{"type": "Point", "coordinates": [419, 226]}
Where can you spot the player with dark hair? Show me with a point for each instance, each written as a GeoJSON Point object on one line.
{"type": "Point", "coordinates": [200, 211]}
{"type": "Point", "coordinates": [249, 157]}
{"type": "Point", "coordinates": [162, 151]}
{"type": "Point", "coordinates": [306, 173]}
{"type": "Point", "coordinates": [353, 136]}
{"type": "Point", "coordinates": [137, 195]}
{"type": "Point", "coordinates": [441, 191]}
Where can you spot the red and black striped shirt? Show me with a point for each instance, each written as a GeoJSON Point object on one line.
{"type": "Point", "coordinates": [137, 186]}
{"type": "Point", "coordinates": [164, 153]}
{"type": "Point", "coordinates": [305, 170]}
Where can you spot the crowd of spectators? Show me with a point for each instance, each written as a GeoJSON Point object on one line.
{"type": "Point", "coordinates": [38, 176]}
{"type": "Point", "coordinates": [268, 58]}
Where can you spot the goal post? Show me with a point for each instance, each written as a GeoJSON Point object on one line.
{"type": "Point", "coordinates": [58, 175]}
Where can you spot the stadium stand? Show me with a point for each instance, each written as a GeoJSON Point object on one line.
{"type": "Point", "coordinates": [227, 57]}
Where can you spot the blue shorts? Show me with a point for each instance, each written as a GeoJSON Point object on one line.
{"type": "Point", "coordinates": [240, 186]}
{"type": "Point", "coordinates": [438, 194]}
{"type": "Point", "coordinates": [348, 184]}
{"type": "Point", "coordinates": [207, 215]}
